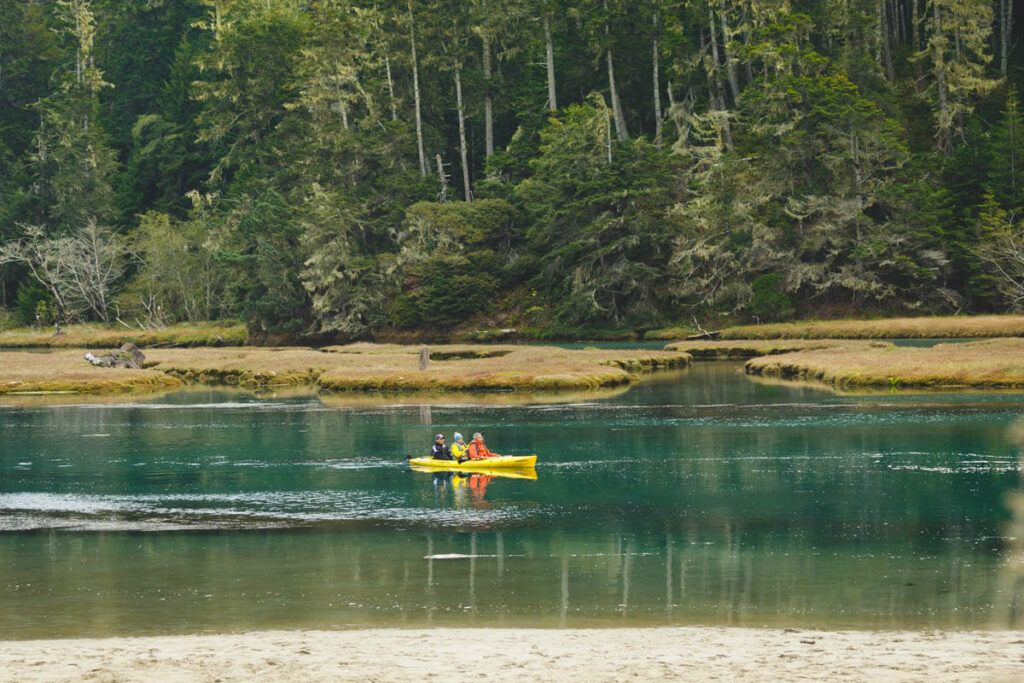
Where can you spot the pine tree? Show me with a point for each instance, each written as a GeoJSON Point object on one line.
{"type": "Point", "coordinates": [1006, 151]}
{"type": "Point", "coordinates": [72, 162]}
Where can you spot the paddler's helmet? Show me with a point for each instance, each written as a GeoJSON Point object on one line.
{"type": "Point", "coordinates": [439, 436]}
{"type": "Point", "coordinates": [456, 436]}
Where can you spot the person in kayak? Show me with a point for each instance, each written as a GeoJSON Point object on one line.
{"type": "Point", "coordinates": [440, 450]}
{"type": "Point", "coordinates": [459, 448]}
{"type": "Point", "coordinates": [477, 450]}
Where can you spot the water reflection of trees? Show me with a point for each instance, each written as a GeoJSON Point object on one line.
{"type": "Point", "coordinates": [1009, 611]}
{"type": "Point", "coordinates": [78, 584]}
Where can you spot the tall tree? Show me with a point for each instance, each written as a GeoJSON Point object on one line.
{"type": "Point", "coordinates": [72, 162]}
{"type": "Point", "coordinates": [958, 53]}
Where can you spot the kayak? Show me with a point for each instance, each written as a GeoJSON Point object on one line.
{"type": "Point", "coordinates": [507, 472]}
{"type": "Point", "coordinates": [501, 461]}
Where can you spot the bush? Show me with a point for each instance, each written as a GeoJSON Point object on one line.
{"type": "Point", "coordinates": [32, 300]}
{"type": "Point", "coordinates": [770, 302]}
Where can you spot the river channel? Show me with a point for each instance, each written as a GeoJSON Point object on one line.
{"type": "Point", "coordinates": [698, 497]}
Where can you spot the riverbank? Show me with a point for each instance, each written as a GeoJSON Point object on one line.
{"type": "Point", "coordinates": [992, 363]}
{"type": "Point", "coordinates": [92, 335]}
{"type": "Point", "coordinates": [666, 653]}
{"type": "Point", "coordinates": [742, 349]}
{"type": "Point", "coordinates": [930, 327]}
{"type": "Point", "coordinates": [352, 368]}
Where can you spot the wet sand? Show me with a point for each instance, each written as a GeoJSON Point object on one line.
{"type": "Point", "coordinates": [691, 653]}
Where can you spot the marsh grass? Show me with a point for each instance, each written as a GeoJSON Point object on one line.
{"type": "Point", "coordinates": [751, 348]}
{"type": "Point", "coordinates": [503, 368]}
{"type": "Point", "coordinates": [668, 333]}
{"type": "Point", "coordinates": [24, 372]}
{"type": "Point", "coordinates": [358, 368]}
{"type": "Point", "coordinates": [952, 327]}
{"type": "Point", "coordinates": [991, 363]}
{"type": "Point", "coordinates": [93, 335]}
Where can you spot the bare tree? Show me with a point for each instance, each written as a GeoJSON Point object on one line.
{"type": "Point", "coordinates": [95, 264]}
{"type": "Point", "coordinates": [80, 272]}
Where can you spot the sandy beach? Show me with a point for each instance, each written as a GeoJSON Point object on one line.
{"type": "Point", "coordinates": [685, 653]}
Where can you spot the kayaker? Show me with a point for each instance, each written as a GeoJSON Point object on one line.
{"type": "Point", "coordinates": [459, 448]}
{"type": "Point", "coordinates": [440, 450]}
{"type": "Point", "coordinates": [477, 450]}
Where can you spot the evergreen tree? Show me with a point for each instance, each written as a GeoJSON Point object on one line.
{"type": "Point", "coordinates": [1006, 152]}
{"type": "Point", "coordinates": [72, 164]}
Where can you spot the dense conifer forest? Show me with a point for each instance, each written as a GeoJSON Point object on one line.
{"type": "Point", "coordinates": [348, 168]}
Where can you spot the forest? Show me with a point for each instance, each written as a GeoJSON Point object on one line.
{"type": "Point", "coordinates": [349, 169]}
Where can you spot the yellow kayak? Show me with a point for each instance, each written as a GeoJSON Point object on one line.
{"type": "Point", "coordinates": [507, 473]}
{"type": "Point", "coordinates": [501, 461]}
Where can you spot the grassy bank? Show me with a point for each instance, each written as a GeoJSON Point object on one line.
{"type": "Point", "coordinates": [517, 368]}
{"type": "Point", "coordinates": [952, 327]}
{"type": "Point", "coordinates": [92, 335]}
{"type": "Point", "coordinates": [992, 363]}
{"type": "Point", "coordinates": [353, 368]}
{"type": "Point", "coordinates": [752, 348]}
{"type": "Point", "coordinates": [23, 372]}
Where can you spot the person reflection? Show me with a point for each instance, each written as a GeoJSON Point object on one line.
{"type": "Point", "coordinates": [471, 488]}
{"type": "Point", "coordinates": [441, 480]}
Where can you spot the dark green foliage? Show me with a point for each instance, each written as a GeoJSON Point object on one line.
{"type": "Point", "coordinates": [819, 158]}
{"type": "Point", "coordinates": [770, 303]}
{"type": "Point", "coordinates": [262, 254]}
{"type": "Point", "coordinates": [32, 305]}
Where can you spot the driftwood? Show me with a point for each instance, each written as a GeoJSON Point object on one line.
{"type": "Point", "coordinates": [715, 334]}
{"type": "Point", "coordinates": [128, 356]}
{"type": "Point", "coordinates": [704, 334]}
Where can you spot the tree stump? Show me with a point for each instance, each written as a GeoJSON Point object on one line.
{"type": "Point", "coordinates": [425, 358]}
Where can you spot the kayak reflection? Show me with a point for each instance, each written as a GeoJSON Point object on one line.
{"type": "Point", "coordinates": [471, 487]}
{"type": "Point", "coordinates": [522, 473]}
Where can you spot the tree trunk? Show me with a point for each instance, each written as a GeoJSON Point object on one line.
{"type": "Point", "coordinates": [719, 85]}
{"type": "Point", "coordinates": [550, 54]}
{"type": "Point", "coordinates": [443, 196]}
{"type": "Point", "coordinates": [734, 83]}
{"type": "Point", "coordinates": [620, 119]}
{"type": "Point", "coordinates": [746, 42]}
{"type": "Point", "coordinates": [915, 36]}
{"type": "Point", "coordinates": [488, 102]}
{"type": "Point", "coordinates": [391, 88]}
{"type": "Point", "coordinates": [884, 22]}
{"type": "Point", "coordinates": [416, 92]}
{"type": "Point", "coordinates": [1005, 32]}
{"type": "Point", "coordinates": [657, 86]}
{"type": "Point", "coordinates": [462, 133]}
{"type": "Point", "coordinates": [944, 134]}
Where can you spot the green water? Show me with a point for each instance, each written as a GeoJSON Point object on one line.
{"type": "Point", "coordinates": [698, 497]}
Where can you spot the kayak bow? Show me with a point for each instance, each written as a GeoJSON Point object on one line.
{"type": "Point", "coordinates": [501, 461]}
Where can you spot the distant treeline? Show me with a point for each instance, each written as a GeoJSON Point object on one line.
{"type": "Point", "coordinates": [348, 167]}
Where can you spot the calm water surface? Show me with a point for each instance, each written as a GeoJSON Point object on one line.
{"type": "Point", "coordinates": [698, 497]}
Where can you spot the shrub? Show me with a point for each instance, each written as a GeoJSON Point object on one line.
{"type": "Point", "coordinates": [770, 302]}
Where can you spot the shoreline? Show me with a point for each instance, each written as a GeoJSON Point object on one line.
{"type": "Point", "coordinates": [659, 653]}
{"type": "Point", "coordinates": [352, 369]}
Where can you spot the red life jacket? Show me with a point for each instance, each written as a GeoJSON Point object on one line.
{"type": "Point", "coordinates": [478, 451]}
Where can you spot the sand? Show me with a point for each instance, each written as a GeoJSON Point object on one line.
{"type": "Point", "coordinates": [690, 653]}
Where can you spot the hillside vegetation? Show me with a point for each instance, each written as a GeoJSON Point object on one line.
{"type": "Point", "coordinates": [339, 169]}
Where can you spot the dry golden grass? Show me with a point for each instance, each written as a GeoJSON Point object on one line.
{"type": "Point", "coordinates": [518, 368]}
{"type": "Point", "coordinates": [953, 327]}
{"type": "Point", "coordinates": [992, 363]}
{"type": "Point", "coordinates": [750, 348]}
{"type": "Point", "coordinates": [96, 335]}
{"type": "Point", "coordinates": [359, 367]}
{"type": "Point", "coordinates": [66, 371]}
